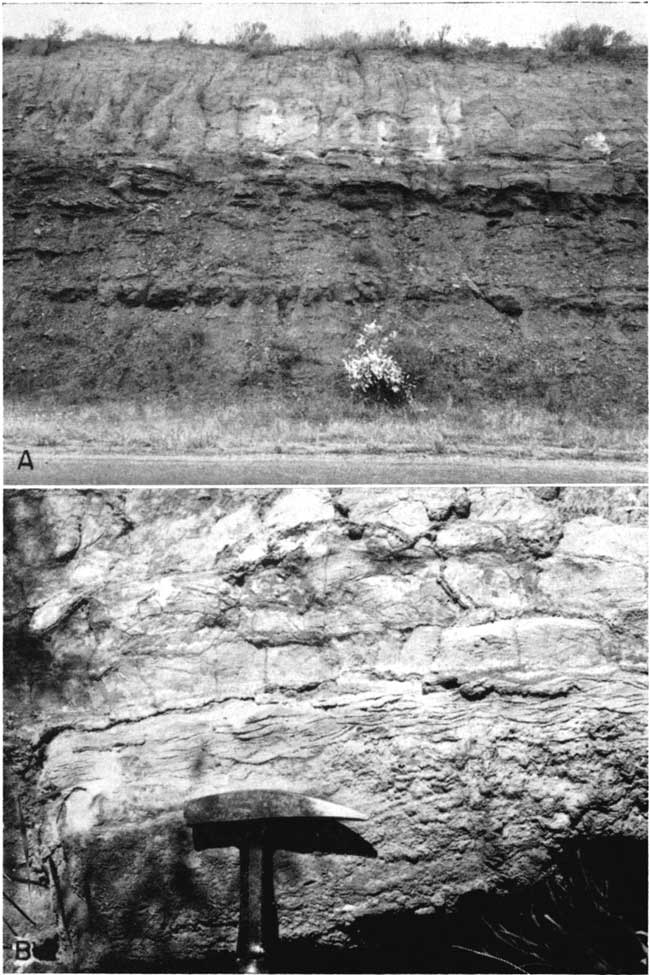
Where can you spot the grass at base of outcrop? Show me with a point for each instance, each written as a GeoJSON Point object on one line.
{"type": "Point", "coordinates": [261, 423]}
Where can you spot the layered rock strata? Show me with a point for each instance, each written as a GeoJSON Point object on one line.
{"type": "Point", "coordinates": [185, 220]}
{"type": "Point", "coordinates": [464, 666]}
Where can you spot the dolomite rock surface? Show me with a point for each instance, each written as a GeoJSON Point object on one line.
{"type": "Point", "coordinates": [184, 219]}
{"type": "Point", "coordinates": [464, 666]}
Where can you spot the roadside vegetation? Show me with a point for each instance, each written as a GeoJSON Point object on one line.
{"type": "Point", "coordinates": [373, 373]}
{"type": "Point", "coordinates": [572, 41]}
{"type": "Point", "coordinates": [263, 423]}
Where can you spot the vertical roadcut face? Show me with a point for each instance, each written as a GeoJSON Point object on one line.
{"type": "Point", "coordinates": [185, 219]}
{"type": "Point", "coordinates": [464, 667]}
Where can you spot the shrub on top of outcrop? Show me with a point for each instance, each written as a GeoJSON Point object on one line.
{"type": "Point", "coordinates": [30, 45]}
{"type": "Point", "coordinates": [591, 41]}
{"type": "Point", "coordinates": [57, 35]}
{"type": "Point", "coordinates": [394, 38]}
{"type": "Point", "coordinates": [567, 39]}
{"type": "Point", "coordinates": [621, 44]}
{"type": "Point", "coordinates": [596, 38]}
{"type": "Point", "coordinates": [186, 34]}
{"type": "Point", "coordinates": [477, 45]}
{"type": "Point", "coordinates": [373, 372]}
{"type": "Point", "coordinates": [347, 40]}
{"type": "Point", "coordinates": [255, 38]}
{"type": "Point", "coordinates": [439, 43]}
{"type": "Point", "coordinates": [402, 37]}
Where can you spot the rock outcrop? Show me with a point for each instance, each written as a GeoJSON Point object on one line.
{"type": "Point", "coordinates": [183, 219]}
{"type": "Point", "coordinates": [464, 666]}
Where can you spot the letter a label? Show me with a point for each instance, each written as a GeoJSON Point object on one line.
{"type": "Point", "coordinates": [25, 461]}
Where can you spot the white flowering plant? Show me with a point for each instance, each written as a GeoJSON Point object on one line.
{"type": "Point", "coordinates": [373, 371]}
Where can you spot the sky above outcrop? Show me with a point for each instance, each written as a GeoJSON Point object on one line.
{"type": "Point", "coordinates": [519, 23]}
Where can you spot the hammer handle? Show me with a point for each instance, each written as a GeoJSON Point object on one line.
{"type": "Point", "coordinates": [251, 948]}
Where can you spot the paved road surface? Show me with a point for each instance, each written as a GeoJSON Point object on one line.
{"type": "Point", "coordinates": [118, 469]}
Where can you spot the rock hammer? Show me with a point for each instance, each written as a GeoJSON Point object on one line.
{"type": "Point", "coordinates": [259, 821]}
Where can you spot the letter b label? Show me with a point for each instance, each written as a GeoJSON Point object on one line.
{"type": "Point", "coordinates": [22, 950]}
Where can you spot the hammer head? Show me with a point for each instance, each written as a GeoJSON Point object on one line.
{"type": "Point", "coordinates": [262, 805]}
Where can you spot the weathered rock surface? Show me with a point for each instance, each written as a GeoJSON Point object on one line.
{"type": "Point", "coordinates": [464, 666]}
{"type": "Point", "coordinates": [181, 220]}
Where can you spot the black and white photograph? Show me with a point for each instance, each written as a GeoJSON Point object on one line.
{"type": "Point", "coordinates": [325, 488]}
{"type": "Point", "coordinates": [325, 243]}
{"type": "Point", "coordinates": [312, 729]}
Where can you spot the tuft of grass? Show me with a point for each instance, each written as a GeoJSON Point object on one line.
{"type": "Point", "coordinates": [581, 917]}
{"type": "Point", "coordinates": [260, 423]}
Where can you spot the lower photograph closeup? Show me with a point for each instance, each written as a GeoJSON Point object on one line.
{"type": "Point", "coordinates": [326, 730]}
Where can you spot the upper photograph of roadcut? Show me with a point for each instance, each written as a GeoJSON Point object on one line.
{"type": "Point", "coordinates": [266, 247]}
